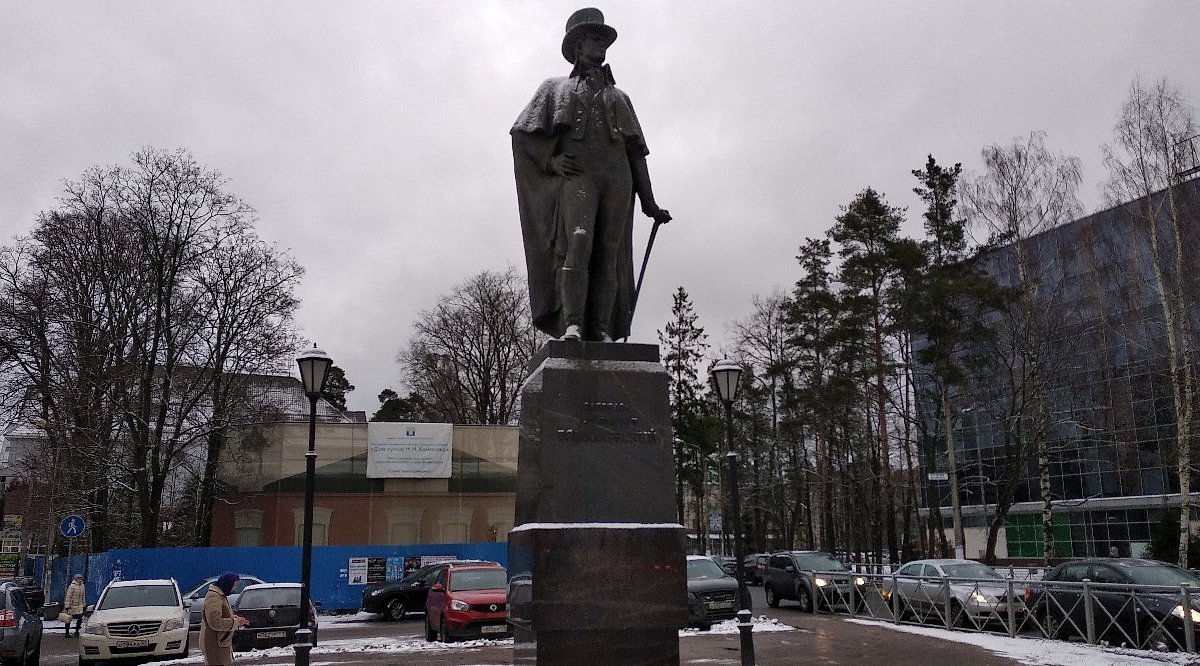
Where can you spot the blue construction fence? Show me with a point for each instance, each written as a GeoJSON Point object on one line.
{"type": "Point", "coordinates": [332, 586]}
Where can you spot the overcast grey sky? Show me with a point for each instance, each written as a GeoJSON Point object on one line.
{"type": "Point", "coordinates": [372, 137]}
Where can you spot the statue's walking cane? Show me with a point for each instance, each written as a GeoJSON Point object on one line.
{"type": "Point", "coordinates": [645, 260]}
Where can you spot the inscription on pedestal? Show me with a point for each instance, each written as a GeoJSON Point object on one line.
{"type": "Point", "coordinates": [596, 512]}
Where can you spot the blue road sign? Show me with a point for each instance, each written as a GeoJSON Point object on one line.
{"type": "Point", "coordinates": [72, 526]}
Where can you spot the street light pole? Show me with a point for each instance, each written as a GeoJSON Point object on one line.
{"type": "Point", "coordinates": [314, 369]}
{"type": "Point", "coordinates": [725, 375]}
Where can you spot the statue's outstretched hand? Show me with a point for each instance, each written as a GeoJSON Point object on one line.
{"type": "Point", "coordinates": [564, 165]}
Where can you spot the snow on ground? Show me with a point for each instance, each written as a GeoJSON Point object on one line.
{"type": "Point", "coordinates": [1044, 652]}
{"type": "Point", "coordinates": [401, 645]}
{"type": "Point", "coordinates": [762, 624]}
{"type": "Point", "coordinates": [358, 646]}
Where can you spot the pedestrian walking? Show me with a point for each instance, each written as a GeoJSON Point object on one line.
{"type": "Point", "coordinates": [218, 622]}
{"type": "Point", "coordinates": [73, 604]}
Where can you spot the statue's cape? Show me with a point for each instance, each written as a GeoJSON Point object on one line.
{"type": "Point", "coordinates": [535, 137]}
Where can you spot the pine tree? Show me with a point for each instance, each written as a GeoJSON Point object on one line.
{"type": "Point", "coordinates": [684, 346]}
{"type": "Point", "coordinates": [868, 232]}
{"type": "Point", "coordinates": [336, 388]}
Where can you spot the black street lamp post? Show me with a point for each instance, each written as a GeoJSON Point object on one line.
{"type": "Point", "coordinates": [725, 375]}
{"type": "Point", "coordinates": [314, 369]}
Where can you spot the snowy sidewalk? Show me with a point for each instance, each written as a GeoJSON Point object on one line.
{"type": "Point", "coordinates": [1040, 651]}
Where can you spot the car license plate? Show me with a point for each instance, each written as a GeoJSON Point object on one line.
{"type": "Point", "coordinates": [140, 642]}
{"type": "Point", "coordinates": [493, 629]}
{"type": "Point", "coordinates": [272, 634]}
{"type": "Point", "coordinates": [720, 605]}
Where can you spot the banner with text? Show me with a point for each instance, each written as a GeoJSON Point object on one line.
{"type": "Point", "coordinates": [409, 450]}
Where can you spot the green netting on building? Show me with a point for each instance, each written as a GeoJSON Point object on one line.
{"type": "Point", "coordinates": [1024, 535]}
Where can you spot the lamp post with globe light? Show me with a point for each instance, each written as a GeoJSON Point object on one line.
{"type": "Point", "coordinates": [314, 370]}
{"type": "Point", "coordinates": [726, 374]}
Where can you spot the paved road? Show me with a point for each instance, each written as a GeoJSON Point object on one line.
{"type": "Point", "coordinates": [819, 639]}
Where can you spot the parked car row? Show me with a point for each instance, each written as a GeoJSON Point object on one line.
{"type": "Point", "coordinates": [1130, 601]}
{"type": "Point", "coordinates": [460, 599]}
{"type": "Point", "coordinates": [141, 619]}
{"type": "Point", "coordinates": [395, 599]}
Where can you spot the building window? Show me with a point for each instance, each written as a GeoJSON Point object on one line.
{"type": "Point", "coordinates": [454, 525]}
{"type": "Point", "coordinates": [320, 529]}
{"type": "Point", "coordinates": [404, 525]}
{"type": "Point", "coordinates": [247, 527]}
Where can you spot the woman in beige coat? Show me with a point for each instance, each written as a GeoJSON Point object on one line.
{"type": "Point", "coordinates": [73, 603]}
{"type": "Point", "coordinates": [218, 622]}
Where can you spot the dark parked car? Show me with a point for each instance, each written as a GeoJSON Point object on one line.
{"type": "Point", "coordinates": [32, 589]}
{"type": "Point", "coordinates": [1152, 620]}
{"type": "Point", "coordinates": [711, 593]}
{"type": "Point", "coordinates": [805, 575]}
{"type": "Point", "coordinates": [273, 610]}
{"type": "Point", "coordinates": [20, 627]}
{"type": "Point", "coordinates": [395, 599]}
{"type": "Point", "coordinates": [468, 601]}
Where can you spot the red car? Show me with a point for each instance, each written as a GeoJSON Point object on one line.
{"type": "Point", "coordinates": [467, 601]}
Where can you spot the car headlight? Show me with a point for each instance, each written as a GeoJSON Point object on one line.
{"type": "Point", "coordinates": [979, 598]}
{"type": "Point", "coordinates": [98, 628]}
{"type": "Point", "coordinates": [375, 593]}
{"type": "Point", "coordinates": [457, 605]}
{"type": "Point", "coordinates": [820, 582]}
{"type": "Point", "coordinates": [1178, 612]}
{"type": "Point", "coordinates": [859, 580]}
{"type": "Point", "coordinates": [173, 624]}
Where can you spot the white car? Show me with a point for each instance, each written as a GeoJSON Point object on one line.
{"type": "Point", "coordinates": [135, 618]}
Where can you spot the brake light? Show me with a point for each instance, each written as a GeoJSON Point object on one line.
{"type": "Point", "coordinates": [1028, 595]}
{"type": "Point", "coordinates": [8, 619]}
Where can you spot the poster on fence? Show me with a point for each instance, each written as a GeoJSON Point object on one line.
{"type": "Point", "coordinates": [409, 450]}
{"type": "Point", "coordinates": [371, 570]}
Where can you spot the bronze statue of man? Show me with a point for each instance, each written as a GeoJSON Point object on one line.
{"type": "Point", "coordinates": [580, 158]}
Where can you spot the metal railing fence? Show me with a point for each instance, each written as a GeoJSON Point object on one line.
{"type": "Point", "coordinates": [1155, 617]}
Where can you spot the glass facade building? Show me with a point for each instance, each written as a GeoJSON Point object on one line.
{"type": "Point", "coordinates": [1093, 377]}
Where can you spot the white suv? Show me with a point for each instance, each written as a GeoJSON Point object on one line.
{"type": "Point", "coordinates": [135, 618]}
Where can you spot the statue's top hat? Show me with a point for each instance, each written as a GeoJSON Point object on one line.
{"type": "Point", "coordinates": [582, 22]}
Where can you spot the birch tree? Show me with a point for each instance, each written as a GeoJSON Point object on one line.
{"type": "Point", "coordinates": [1146, 164]}
{"type": "Point", "coordinates": [1026, 189]}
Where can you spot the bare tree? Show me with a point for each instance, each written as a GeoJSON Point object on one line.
{"type": "Point", "coordinates": [467, 356]}
{"type": "Point", "coordinates": [1146, 164]}
{"type": "Point", "coordinates": [112, 324]}
{"type": "Point", "coordinates": [246, 298]}
{"type": "Point", "coordinates": [1026, 189]}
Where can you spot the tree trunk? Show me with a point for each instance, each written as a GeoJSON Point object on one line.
{"type": "Point", "coordinates": [1047, 504]}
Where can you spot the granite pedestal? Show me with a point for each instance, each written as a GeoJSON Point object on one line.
{"type": "Point", "coordinates": [596, 560]}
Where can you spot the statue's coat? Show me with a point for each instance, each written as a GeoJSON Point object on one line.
{"type": "Point", "coordinates": [549, 116]}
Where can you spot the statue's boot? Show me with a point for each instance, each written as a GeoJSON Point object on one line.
{"type": "Point", "coordinates": [573, 287]}
{"type": "Point", "coordinates": [601, 299]}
